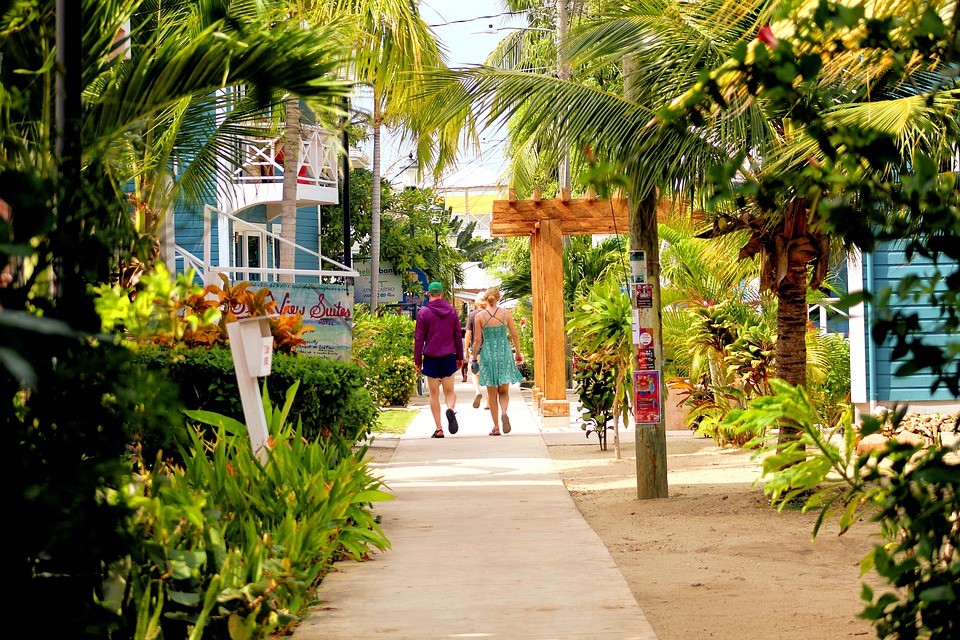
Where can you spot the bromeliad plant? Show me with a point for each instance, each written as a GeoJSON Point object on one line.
{"type": "Point", "coordinates": [600, 331]}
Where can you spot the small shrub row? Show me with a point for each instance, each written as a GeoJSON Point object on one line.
{"type": "Point", "coordinates": [332, 403]}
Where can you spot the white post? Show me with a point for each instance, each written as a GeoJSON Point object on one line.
{"type": "Point", "coordinates": [252, 348]}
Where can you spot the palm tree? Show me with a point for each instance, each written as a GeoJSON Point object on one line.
{"type": "Point", "coordinates": [390, 44]}
{"type": "Point", "coordinates": [144, 114]}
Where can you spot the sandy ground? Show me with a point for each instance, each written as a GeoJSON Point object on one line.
{"type": "Point", "coordinates": [714, 560]}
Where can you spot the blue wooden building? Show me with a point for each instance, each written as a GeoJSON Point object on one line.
{"type": "Point", "coordinates": [873, 380]}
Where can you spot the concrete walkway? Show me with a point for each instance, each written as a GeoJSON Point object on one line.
{"type": "Point", "coordinates": [487, 543]}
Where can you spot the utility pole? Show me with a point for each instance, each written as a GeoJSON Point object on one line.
{"type": "Point", "coordinates": [651, 437]}
{"type": "Point", "coordinates": [345, 185]}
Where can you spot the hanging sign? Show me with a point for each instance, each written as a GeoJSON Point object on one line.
{"type": "Point", "coordinates": [646, 391]}
{"type": "Point", "coordinates": [389, 283]}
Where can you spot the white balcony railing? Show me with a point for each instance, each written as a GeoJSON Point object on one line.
{"type": "Point", "coordinates": [259, 180]}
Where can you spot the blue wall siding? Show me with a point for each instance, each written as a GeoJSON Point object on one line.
{"type": "Point", "coordinates": [888, 266]}
{"type": "Point", "coordinates": [308, 236]}
{"type": "Point", "coordinates": [188, 232]}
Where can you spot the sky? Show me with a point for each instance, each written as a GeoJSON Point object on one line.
{"type": "Point", "coordinates": [453, 21]}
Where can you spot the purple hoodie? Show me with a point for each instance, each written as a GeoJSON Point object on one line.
{"type": "Point", "coordinates": [438, 332]}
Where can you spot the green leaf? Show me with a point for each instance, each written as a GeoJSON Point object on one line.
{"type": "Point", "coordinates": [233, 427]}
{"type": "Point", "coordinates": [371, 495]}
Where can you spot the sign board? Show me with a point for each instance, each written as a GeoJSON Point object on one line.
{"type": "Point", "coordinates": [389, 283]}
{"type": "Point", "coordinates": [327, 308]}
{"type": "Point", "coordinates": [646, 391]}
{"type": "Point", "coordinates": [417, 275]}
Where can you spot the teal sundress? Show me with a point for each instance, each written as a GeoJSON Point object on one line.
{"type": "Point", "coordinates": [497, 365]}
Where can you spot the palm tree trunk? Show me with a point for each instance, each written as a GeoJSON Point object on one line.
{"type": "Point", "coordinates": [791, 347]}
{"type": "Point", "coordinates": [288, 203]}
{"type": "Point", "coordinates": [375, 215]}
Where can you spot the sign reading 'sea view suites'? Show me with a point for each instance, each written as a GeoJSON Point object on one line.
{"type": "Point", "coordinates": [327, 308]}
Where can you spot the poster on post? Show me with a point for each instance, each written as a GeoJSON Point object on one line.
{"type": "Point", "coordinates": [646, 390]}
{"type": "Point", "coordinates": [326, 308]}
{"type": "Point", "coordinates": [643, 296]}
{"type": "Point", "coordinates": [646, 356]}
{"type": "Point", "coordinates": [638, 267]}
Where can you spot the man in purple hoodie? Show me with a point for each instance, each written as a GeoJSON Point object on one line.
{"type": "Point", "coordinates": [438, 353]}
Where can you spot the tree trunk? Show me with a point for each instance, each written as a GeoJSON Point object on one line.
{"type": "Point", "coordinates": [288, 203]}
{"type": "Point", "coordinates": [791, 347]}
{"type": "Point", "coordinates": [651, 439]}
{"type": "Point", "coordinates": [375, 216]}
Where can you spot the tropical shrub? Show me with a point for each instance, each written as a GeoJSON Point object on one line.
{"type": "Point", "coordinates": [227, 546]}
{"type": "Point", "coordinates": [165, 310]}
{"type": "Point", "coordinates": [333, 403]}
{"type": "Point", "coordinates": [828, 375]}
{"type": "Point", "coordinates": [380, 342]}
{"type": "Point", "coordinates": [912, 492]}
{"type": "Point", "coordinates": [595, 384]}
{"type": "Point", "coordinates": [72, 434]}
{"type": "Point", "coordinates": [523, 316]}
{"type": "Point", "coordinates": [399, 381]}
{"type": "Point", "coordinates": [600, 333]}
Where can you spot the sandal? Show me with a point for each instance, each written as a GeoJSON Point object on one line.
{"type": "Point", "coordinates": [437, 434]}
{"type": "Point", "coordinates": [494, 433]}
{"type": "Point", "coordinates": [452, 425]}
{"type": "Point", "coordinates": [505, 422]}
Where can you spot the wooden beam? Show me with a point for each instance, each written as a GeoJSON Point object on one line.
{"type": "Point", "coordinates": [501, 229]}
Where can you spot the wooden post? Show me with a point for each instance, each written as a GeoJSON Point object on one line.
{"type": "Point", "coordinates": [555, 382]}
{"type": "Point", "coordinates": [536, 285]}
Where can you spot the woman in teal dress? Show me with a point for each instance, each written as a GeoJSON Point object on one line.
{"type": "Point", "coordinates": [494, 330]}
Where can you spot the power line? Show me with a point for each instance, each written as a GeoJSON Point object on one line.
{"type": "Point", "coordinates": [496, 15]}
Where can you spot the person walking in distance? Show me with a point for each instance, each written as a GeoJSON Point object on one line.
{"type": "Point", "coordinates": [494, 330]}
{"type": "Point", "coordinates": [471, 318]}
{"type": "Point", "coordinates": [438, 354]}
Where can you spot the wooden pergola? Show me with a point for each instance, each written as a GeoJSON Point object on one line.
{"type": "Point", "coordinates": [546, 222]}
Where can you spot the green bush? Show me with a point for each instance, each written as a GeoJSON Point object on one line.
{"type": "Point", "coordinates": [332, 403]}
{"type": "Point", "coordinates": [911, 492]}
{"type": "Point", "coordinates": [397, 381]}
{"type": "Point", "coordinates": [829, 382]}
{"type": "Point", "coordinates": [229, 547]}
{"type": "Point", "coordinates": [383, 347]}
{"type": "Point", "coordinates": [72, 435]}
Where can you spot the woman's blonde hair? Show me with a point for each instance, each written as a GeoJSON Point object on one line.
{"type": "Point", "coordinates": [493, 295]}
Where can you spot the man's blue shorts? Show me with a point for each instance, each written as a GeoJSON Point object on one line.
{"type": "Point", "coordinates": [440, 367]}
